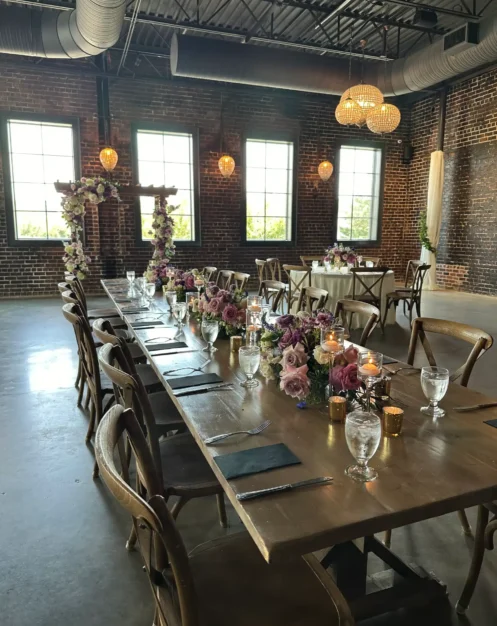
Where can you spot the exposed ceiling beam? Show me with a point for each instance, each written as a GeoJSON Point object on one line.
{"type": "Point", "coordinates": [418, 5]}
{"type": "Point", "coordinates": [336, 11]}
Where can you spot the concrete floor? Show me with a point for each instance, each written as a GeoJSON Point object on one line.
{"type": "Point", "coordinates": [62, 556]}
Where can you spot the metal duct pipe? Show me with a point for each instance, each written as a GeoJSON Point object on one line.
{"type": "Point", "coordinates": [89, 29]}
{"type": "Point", "coordinates": [196, 57]}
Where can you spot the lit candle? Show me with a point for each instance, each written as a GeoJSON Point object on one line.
{"type": "Point", "coordinates": [253, 328]}
{"type": "Point", "coordinates": [255, 308]}
{"type": "Point", "coordinates": [337, 408]}
{"type": "Point", "coordinates": [369, 369]}
{"type": "Point", "coordinates": [392, 420]}
{"type": "Point", "coordinates": [330, 345]}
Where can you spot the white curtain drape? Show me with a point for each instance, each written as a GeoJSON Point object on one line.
{"type": "Point", "coordinates": [434, 214]}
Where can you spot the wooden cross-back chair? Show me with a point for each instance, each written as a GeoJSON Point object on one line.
{"type": "Point", "coordinates": [273, 268]}
{"type": "Point", "coordinates": [308, 259]}
{"type": "Point", "coordinates": [272, 291]}
{"type": "Point", "coordinates": [412, 266]}
{"type": "Point", "coordinates": [80, 381]}
{"type": "Point", "coordinates": [178, 458]}
{"type": "Point", "coordinates": [295, 284]}
{"type": "Point", "coordinates": [97, 388]}
{"type": "Point", "coordinates": [109, 312]}
{"type": "Point", "coordinates": [240, 280]}
{"type": "Point", "coordinates": [224, 279]}
{"type": "Point", "coordinates": [208, 272]}
{"type": "Point", "coordinates": [312, 299]}
{"type": "Point", "coordinates": [262, 270]}
{"type": "Point", "coordinates": [345, 310]}
{"type": "Point", "coordinates": [185, 585]}
{"type": "Point", "coordinates": [368, 291]}
{"type": "Point", "coordinates": [409, 296]}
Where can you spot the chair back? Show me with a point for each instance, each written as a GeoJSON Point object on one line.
{"type": "Point", "coordinates": [77, 287]}
{"type": "Point", "coordinates": [208, 272]}
{"type": "Point", "coordinates": [479, 339]}
{"type": "Point", "coordinates": [347, 308]}
{"type": "Point", "coordinates": [375, 260]}
{"type": "Point", "coordinates": [240, 280]}
{"type": "Point", "coordinates": [273, 268]}
{"type": "Point", "coordinates": [312, 299]}
{"type": "Point", "coordinates": [417, 283]}
{"type": "Point", "coordinates": [224, 279]}
{"type": "Point", "coordinates": [272, 291]}
{"type": "Point", "coordinates": [64, 287]}
{"type": "Point", "coordinates": [361, 288]}
{"type": "Point", "coordinates": [161, 545]}
{"type": "Point", "coordinates": [296, 283]}
{"type": "Point", "coordinates": [307, 260]}
{"type": "Point", "coordinates": [262, 270]}
{"type": "Point", "coordinates": [412, 266]}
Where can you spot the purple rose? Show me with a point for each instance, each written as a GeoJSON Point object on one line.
{"type": "Point", "coordinates": [350, 381]}
{"type": "Point", "coordinates": [286, 340]}
{"type": "Point", "coordinates": [294, 381]}
{"type": "Point", "coordinates": [336, 377]}
{"type": "Point", "coordinates": [351, 354]}
{"type": "Point", "coordinates": [230, 314]}
{"type": "Point", "coordinates": [285, 321]}
{"type": "Point", "coordinates": [212, 290]}
{"type": "Point", "coordinates": [224, 295]}
{"type": "Point", "coordinates": [324, 319]}
{"type": "Point", "coordinates": [190, 281]}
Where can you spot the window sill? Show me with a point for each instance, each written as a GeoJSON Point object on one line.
{"type": "Point", "coordinates": [372, 243]}
{"type": "Point", "coordinates": [268, 244]}
{"type": "Point", "coordinates": [38, 243]}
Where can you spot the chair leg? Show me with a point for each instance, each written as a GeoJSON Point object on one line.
{"type": "Point", "coordinates": [96, 471]}
{"type": "Point", "coordinates": [476, 563]}
{"type": "Point", "coordinates": [78, 376]}
{"type": "Point", "coordinates": [82, 382]}
{"type": "Point", "coordinates": [178, 506]}
{"type": "Point", "coordinates": [91, 425]}
{"type": "Point", "coordinates": [221, 508]}
{"type": "Point", "coordinates": [411, 306]}
{"type": "Point", "coordinates": [131, 543]}
{"type": "Point", "coordinates": [87, 399]}
{"type": "Point", "coordinates": [387, 539]}
{"type": "Point", "coordinates": [418, 307]}
{"type": "Point", "coordinates": [466, 527]}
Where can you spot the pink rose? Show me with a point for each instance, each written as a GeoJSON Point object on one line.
{"type": "Point", "coordinates": [286, 340]}
{"type": "Point", "coordinates": [230, 314]}
{"type": "Point", "coordinates": [351, 354]}
{"type": "Point", "coordinates": [214, 306]}
{"type": "Point", "coordinates": [241, 316]}
{"type": "Point", "coordinates": [294, 381]}
{"type": "Point", "coordinates": [336, 378]}
{"type": "Point", "coordinates": [190, 281]}
{"type": "Point", "coordinates": [224, 295]}
{"type": "Point", "coordinates": [347, 377]}
{"type": "Point", "coordinates": [295, 356]}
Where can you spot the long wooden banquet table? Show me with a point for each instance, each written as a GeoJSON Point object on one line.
{"type": "Point", "coordinates": [433, 468]}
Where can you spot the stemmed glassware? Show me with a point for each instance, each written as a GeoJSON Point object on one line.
{"type": "Point", "coordinates": [363, 434]}
{"type": "Point", "coordinates": [199, 283]}
{"type": "Point", "coordinates": [434, 382]}
{"type": "Point", "coordinates": [315, 265]}
{"type": "Point", "coordinates": [333, 342]}
{"type": "Point", "coordinates": [369, 366]}
{"type": "Point", "coordinates": [130, 275]}
{"type": "Point", "coordinates": [210, 330]}
{"type": "Point", "coordinates": [140, 283]}
{"type": "Point", "coordinates": [179, 312]}
{"type": "Point", "coordinates": [171, 297]}
{"type": "Point", "coordinates": [254, 325]}
{"type": "Point", "coordinates": [250, 359]}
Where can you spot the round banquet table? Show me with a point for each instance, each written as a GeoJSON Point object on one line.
{"type": "Point", "coordinates": [339, 285]}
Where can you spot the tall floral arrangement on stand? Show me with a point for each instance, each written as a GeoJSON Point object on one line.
{"type": "Point", "coordinates": [340, 255]}
{"type": "Point", "coordinates": [94, 190]}
{"type": "Point", "coordinates": [162, 241]}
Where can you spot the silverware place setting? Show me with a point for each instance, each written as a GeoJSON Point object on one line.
{"type": "Point", "coordinates": [190, 392]}
{"type": "Point", "coordinates": [475, 407]}
{"type": "Point", "coordinates": [252, 431]}
{"type": "Point", "coordinates": [250, 495]}
{"type": "Point", "coordinates": [190, 370]}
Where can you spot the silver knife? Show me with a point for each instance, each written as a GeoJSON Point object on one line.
{"type": "Point", "coordinates": [169, 352]}
{"type": "Point", "coordinates": [188, 392]}
{"type": "Point", "coordinates": [475, 407]}
{"type": "Point", "coordinates": [248, 495]}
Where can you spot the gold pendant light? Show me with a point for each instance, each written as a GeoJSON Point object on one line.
{"type": "Point", "coordinates": [325, 170]}
{"type": "Point", "coordinates": [108, 159]}
{"type": "Point", "coordinates": [383, 118]}
{"type": "Point", "coordinates": [348, 113]}
{"type": "Point", "coordinates": [226, 165]}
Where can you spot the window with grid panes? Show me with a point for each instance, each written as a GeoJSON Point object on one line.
{"type": "Point", "coordinates": [359, 192]}
{"type": "Point", "coordinates": [166, 158]}
{"type": "Point", "coordinates": [269, 189]}
{"type": "Point", "coordinates": [39, 153]}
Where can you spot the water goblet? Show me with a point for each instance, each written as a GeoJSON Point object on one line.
{"type": "Point", "coordinates": [149, 291]}
{"type": "Point", "coordinates": [140, 283]}
{"type": "Point", "coordinates": [179, 312]}
{"type": "Point", "coordinates": [315, 265]}
{"type": "Point", "coordinates": [434, 382]}
{"type": "Point", "coordinates": [210, 330]}
{"type": "Point", "coordinates": [327, 266]}
{"type": "Point", "coordinates": [363, 434]}
{"type": "Point", "coordinates": [250, 359]}
{"type": "Point", "coordinates": [369, 366]}
{"type": "Point", "coordinates": [171, 297]}
{"type": "Point", "coordinates": [131, 277]}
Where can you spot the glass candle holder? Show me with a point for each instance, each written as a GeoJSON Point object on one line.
{"type": "Point", "coordinates": [254, 326]}
{"type": "Point", "coordinates": [337, 406]}
{"type": "Point", "coordinates": [199, 283]}
{"type": "Point", "coordinates": [369, 367]}
{"type": "Point", "coordinates": [333, 339]}
{"type": "Point", "coordinates": [392, 419]}
{"type": "Point", "coordinates": [254, 303]}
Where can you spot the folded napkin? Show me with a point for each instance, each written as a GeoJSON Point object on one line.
{"type": "Point", "coordinates": [255, 460]}
{"type": "Point", "coordinates": [387, 360]}
{"type": "Point", "coordinates": [132, 310]}
{"type": "Point", "coordinates": [492, 423]}
{"type": "Point", "coordinates": [171, 345]}
{"type": "Point", "coordinates": [122, 300]}
{"type": "Point", "coordinates": [193, 381]}
{"type": "Point", "coordinates": [146, 324]}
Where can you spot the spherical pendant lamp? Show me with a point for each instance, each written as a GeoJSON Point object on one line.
{"type": "Point", "coordinates": [348, 112]}
{"type": "Point", "coordinates": [366, 96]}
{"type": "Point", "coordinates": [325, 170]}
{"type": "Point", "coordinates": [226, 165]}
{"type": "Point", "coordinates": [108, 159]}
{"type": "Point", "coordinates": [383, 118]}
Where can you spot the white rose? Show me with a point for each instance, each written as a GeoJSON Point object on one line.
{"type": "Point", "coordinates": [322, 357]}
{"type": "Point", "coordinates": [70, 267]}
{"type": "Point", "coordinates": [89, 182]}
{"type": "Point", "coordinates": [100, 189]}
{"type": "Point", "coordinates": [266, 370]}
{"type": "Point", "coordinates": [69, 249]}
{"type": "Point", "coordinates": [93, 198]}
{"type": "Point", "coordinates": [80, 275]}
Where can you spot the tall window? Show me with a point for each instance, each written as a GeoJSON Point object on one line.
{"type": "Point", "coordinates": [269, 181]}
{"type": "Point", "coordinates": [39, 154]}
{"type": "Point", "coordinates": [359, 191]}
{"type": "Point", "coordinates": [166, 158]}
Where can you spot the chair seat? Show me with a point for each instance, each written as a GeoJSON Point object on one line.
{"type": "Point", "coordinates": [166, 415]}
{"type": "Point", "coordinates": [185, 470]}
{"type": "Point", "coordinates": [399, 294]}
{"type": "Point", "coordinates": [235, 585]}
{"type": "Point", "coordinates": [365, 297]}
{"type": "Point", "coordinates": [96, 313]}
{"type": "Point", "coordinates": [148, 377]}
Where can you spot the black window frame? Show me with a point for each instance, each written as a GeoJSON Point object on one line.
{"type": "Point", "coordinates": [270, 135]}
{"type": "Point", "coordinates": [361, 243]}
{"type": "Point", "coordinates": [13, 241]}
{"type": "Point", "coordinates": [166, 127]}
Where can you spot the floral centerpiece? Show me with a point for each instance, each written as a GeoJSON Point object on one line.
{"type": "Point", "coordinates": [292, 355]}
{"type": "Point", "coordinates": [228, 307]}
{"type": "Point", "coordinates": [162, 241]}
{"type": "Point", "coordinates": [181, 282]}
{"type": "Point", "coordinates": [95, 190]}
{"type": "Point", "coordinates": [340, 255]}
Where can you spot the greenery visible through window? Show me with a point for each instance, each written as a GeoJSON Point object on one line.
{"type": "Point", "coordinates": [166, 158]}
{"type": "Point", "coordinates": [40, 153]}
{"type": "Point", "coordinates": [359, 182]}
{"type": "Point", "coordinates": [269, 184]}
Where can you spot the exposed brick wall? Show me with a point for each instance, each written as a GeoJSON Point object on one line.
{"type": "Point", "coordinates": [110, 229]}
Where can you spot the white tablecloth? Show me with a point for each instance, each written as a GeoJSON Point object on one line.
{"type": "Point", "coordinates": [339, 285]}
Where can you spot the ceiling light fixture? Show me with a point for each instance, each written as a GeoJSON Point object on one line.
{"type": "Point", "coordinates": [226, 163]}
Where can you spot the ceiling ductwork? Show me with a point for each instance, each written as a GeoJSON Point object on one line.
{"type": "Point", "coordinates": [89, 29]}
{"type": "Point", "coordinates": [199, 57]}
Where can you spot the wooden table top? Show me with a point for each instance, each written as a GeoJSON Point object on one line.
{"type": "Point", "coordinates": [435, 467]}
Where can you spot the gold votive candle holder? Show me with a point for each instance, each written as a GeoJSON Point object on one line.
{"type": "Point", "coordinates": [337, 408]}
{"type": "Point", "coordinates": [392, 419]}
{"type": "Point", "coordinates": [384, 386]}
{"type": "Point", "coordinates": [235, 343]}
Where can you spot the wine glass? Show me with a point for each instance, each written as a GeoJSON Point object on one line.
{"type": "Point", "coordinates": [171, 297]}
{"type": "Point", "coordinates": [250, 359]}
{"type": "Point", "coordinates": [179, 312]}
{"type": "Point", "coordinates": [140, 283]}
{"type": "Point", "coordinates": [434, 382]}
{"type": "Point", "coordinates": [210, 330]}
{"type": "Point", "coordinates": [199, 283]}
{"type": "Point", "coordinates": [315, 265]}
{"type": "Point", "coordinates": [149, 291]}
{"type": "Point", "coordinates": [363, 434]}
{"type": "Point", "coordinates": [369, 366]}
{"type": "Point", "coordinates": [131, 277]}
{"type": "Point", "coordinates": [327, 266]}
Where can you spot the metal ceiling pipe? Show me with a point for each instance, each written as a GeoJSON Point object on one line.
{"type": "Point", "coordinates": [89, 29]}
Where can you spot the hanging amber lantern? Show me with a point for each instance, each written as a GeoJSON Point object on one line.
{"type": "Point", "coordinates": [325, 170]}
{"type": "Point", "coordinates": [226, 165]}
{"type": "Point", "coordinates": [383, 118]}
{"type": "Point", "coordinates": [348, 112]}
{"type": "Point", "coordinates": [108, 159]}
{"type": "Point", "coordinates": [366, 96]}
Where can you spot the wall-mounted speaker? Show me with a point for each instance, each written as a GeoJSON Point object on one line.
{"type": "Point", "coordinates": [408, 153]}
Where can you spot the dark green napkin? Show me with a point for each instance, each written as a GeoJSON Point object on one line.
{"type": "Point", "coordinates": [492, 423]}
{"type": "Point", "coordinates": [387, 360]}
{"type": "Point", "coordinates": [146, 324]}
{"type": "Point", "coordinates": [255, 460]}
{"type": "Point", "coordinates": [160, 347]}
{"type": "Point", "coordinates": [193, 381]}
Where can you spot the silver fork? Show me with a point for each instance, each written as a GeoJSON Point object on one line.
{"type": "Point", "coordinates": [393, 372]}
{"type": "Point", "coordinates": [190, 369]}
{"type": "Point", "coordinates": [252, 431]}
